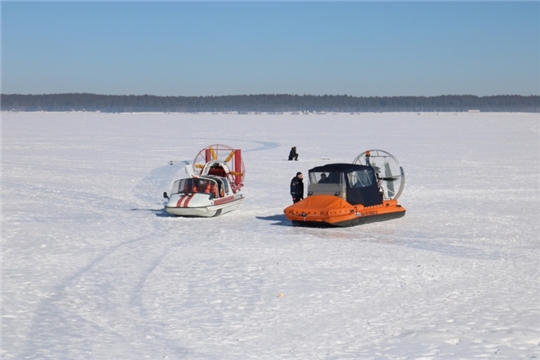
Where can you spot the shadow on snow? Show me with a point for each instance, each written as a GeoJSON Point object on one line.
{"type": "Point", "coordinates": [281, 219]}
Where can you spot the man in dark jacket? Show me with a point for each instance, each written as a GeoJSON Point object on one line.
{"type": "Point", "coordinates": [297, 188]}
{"type": "Point", "coordinates": [293, 155]}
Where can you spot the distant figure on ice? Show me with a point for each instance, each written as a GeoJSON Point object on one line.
{"type": "Point", "coordinates": [297, 188]}
{"type": "Point", "coordinates": [293, 154]}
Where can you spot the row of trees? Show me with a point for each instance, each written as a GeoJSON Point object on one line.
{"type": "Point", "coordinates": [267, 103]}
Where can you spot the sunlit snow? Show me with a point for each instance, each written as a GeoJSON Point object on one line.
{"type": "Point", "coordinates": [93, 268]}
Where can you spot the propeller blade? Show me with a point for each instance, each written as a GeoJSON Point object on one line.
{"type": "Point", "coordinates": [235, 173]}
{"type": "Point", "coordinates": [199, 166]}
{"type": "Point", "coordinates": [230, 156]}
{"type": "Point", "coordinates": [213, 152]}
{"type": "Point", "coordinates": [390, 184]}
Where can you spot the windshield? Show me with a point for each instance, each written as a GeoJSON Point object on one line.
{"type": "Point", "coordinates": [325, 177]}
{"type": "Point", "coordinates": [194, 185]}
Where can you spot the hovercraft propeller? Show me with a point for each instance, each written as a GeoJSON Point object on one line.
{"type": "Point", "coordinates": [388, 170]}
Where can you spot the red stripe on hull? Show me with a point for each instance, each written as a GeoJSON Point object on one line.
{"type": "Point", "coordinates": [184, 201]}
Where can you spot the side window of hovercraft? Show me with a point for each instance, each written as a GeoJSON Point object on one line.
{"type": "Point", "coordinates": [360, 178]}
{"type": "Point", "coordinates": [184, 186]}
{"type": "Point", "coordinates": [225, 186]}
{"type": "Point", "coordinates": [176, 187]}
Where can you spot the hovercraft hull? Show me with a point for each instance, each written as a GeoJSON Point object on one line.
{"type": "Point", "coordinates": [183, 207]}
{"type": "Point", "coordinates": [332, 211]}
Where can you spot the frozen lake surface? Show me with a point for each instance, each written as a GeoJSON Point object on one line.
{"type": "Point", "coordinates": [93, 268]}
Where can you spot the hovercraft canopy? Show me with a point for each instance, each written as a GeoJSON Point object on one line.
{"type": "Point", "coordinates": [357, 184]}
{"type": "Point", "coordinates": [215, 187]}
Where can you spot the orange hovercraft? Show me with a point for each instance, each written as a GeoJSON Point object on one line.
{"type": "Point", "coordinates": [362, 192]}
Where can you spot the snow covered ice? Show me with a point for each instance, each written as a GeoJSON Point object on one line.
{"type": "Point", "coordinates": [93, 268]}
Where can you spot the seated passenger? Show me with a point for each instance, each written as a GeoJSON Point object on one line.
{"type": "Point", "coordinates": [186, 187]}
{"type": "Point", "coordinates": [205, 187]}
{"type": "Point", "coordinates": [213, 190]}
{"type": "Point", "coordinates": [323, 179]}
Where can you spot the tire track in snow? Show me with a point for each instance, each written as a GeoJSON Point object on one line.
{"type": "Point", "coordinates": [264, 145]}
{"type": "Point", "coordinates": [87, 300]}
{"type": "Point", "coordinates": [211, 301]}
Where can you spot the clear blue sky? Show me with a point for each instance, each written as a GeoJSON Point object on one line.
{"type": "Point", "coordinates": [231, 48]}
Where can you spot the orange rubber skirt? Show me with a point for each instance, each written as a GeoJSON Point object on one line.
{"type": "Point", "coordinates": [327, 210]}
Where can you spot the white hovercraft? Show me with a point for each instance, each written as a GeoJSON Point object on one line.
{"type": "Point", "coordinates": [212, 186]}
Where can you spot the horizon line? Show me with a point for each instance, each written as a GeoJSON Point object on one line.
{"type": "Point", "coordinates": [262, 94]}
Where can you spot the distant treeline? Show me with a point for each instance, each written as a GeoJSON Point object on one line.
{"type": "Point", "coordinates": [268, 103]}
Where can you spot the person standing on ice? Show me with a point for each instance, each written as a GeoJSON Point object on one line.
{"type": "Point", "coordinates": [293, 154]}
{"type": "Point", "coordinates": [297, 188]}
